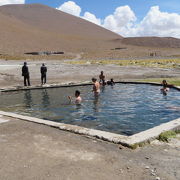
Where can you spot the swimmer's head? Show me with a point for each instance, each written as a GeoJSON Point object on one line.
{"type": "Point", "coordinates": [94, 79]}
{"type": "Point", "coordinates": [164, 81]}
{"type": "Point", "coordinates": [102, 72]}
{"type": "Point", "coordinates": [77, 93]}
{"type": "Point", "coordinates": [25, 63]}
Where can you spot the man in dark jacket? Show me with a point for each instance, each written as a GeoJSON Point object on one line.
{"type": "Point", "coordinates": [25, 73]}
{"type": "Point", "coordinates": [43, 73]}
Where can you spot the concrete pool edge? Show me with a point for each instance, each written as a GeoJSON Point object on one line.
{"type": "Point", "coordinates": [71, 84]}
{"type": "Point", "coordinates": [128, 141]}
{"type": "Point", "coordinates": [46, 86]}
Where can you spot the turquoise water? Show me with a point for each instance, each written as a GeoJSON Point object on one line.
{"type": "Point", "coordinates": [124, 108]}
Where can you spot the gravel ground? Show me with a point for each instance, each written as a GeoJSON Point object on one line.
{"type": "Point", "coordinates": [37, 152]}
{"type": "Point", "coordinates": [60, 72]}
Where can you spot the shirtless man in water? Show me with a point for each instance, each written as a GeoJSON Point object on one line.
{"type": "Point", "coordinates": [77, 99]}
{"type": "Point", "coordinates": [96, 87]}
{"type": "Point", "coordinates": [102, 78]}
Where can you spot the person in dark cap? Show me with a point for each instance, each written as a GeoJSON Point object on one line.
{"type": "Point", "coordinates": [25, 73]}
{"type": "Point", "coordinates": [43, 73]}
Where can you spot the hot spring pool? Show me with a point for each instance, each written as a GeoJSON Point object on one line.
{"type": "Point", "coordinates": [124, 108]}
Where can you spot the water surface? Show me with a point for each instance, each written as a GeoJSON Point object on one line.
{"type": "Point", "coordinates": [124, 108]}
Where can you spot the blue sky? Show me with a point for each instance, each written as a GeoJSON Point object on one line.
{"type": "Point", "coordinates": [102, 8]}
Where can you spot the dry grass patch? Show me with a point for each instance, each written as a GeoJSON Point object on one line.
{"type": "Point", "coordinates": [159, 63]}
{"type": "Point", "coordinates": [173, 81]}
{"type": "Point", "coordinates": [36, 57]}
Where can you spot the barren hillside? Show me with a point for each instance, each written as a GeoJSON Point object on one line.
{"type": "Point", "coordinates": [35, 27]}
{"type": "Point", "coordinates": [164, 42]}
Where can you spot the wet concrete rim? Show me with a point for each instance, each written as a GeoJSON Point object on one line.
{"type": "Point", "coordinates": [71, 84]}
{"type": "Point", "coordinates": [127, 141]}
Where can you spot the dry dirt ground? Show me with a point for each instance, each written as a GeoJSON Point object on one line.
{"type": "Point", "coordinates": [30, 151]}
{"type": "Point", "coordinates": [61, 72]}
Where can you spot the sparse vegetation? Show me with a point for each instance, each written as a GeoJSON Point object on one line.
{"type": "Point", "coordinates": [173, 81]}
{"type": "Point", "coordinates": [141, 144]}
{"type": "Point", "coordinates": [39, 57]}
{"type": "Point", "coordinates": [134, 146]}
{"type": "Point", "coordinates": [11, 57]}
{"type": "Point", "coordinates": [177, 131]}
{"type": "Point", "coordinates": [159, 63]}
{"type": "Point", "coordinates": [165, 136]}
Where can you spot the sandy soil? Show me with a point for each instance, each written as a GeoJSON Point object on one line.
{"type": "Point", "coordinates": [32, 151]}
{"type": "Point", "coordinates": [59, 72]}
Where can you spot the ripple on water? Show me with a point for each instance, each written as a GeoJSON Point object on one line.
{"type": "Point", "coordinates": [124, 109]}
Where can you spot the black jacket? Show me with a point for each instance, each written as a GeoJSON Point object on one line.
{"type": "Point", "coordinates": [25, 71]}
{"type": "Point", "coordinates": [43, 70]}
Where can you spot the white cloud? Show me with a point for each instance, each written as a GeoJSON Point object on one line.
{"type": "Point", "coordinates": [4, 2]}
{"type": "Point", "coordinates": [157, 23]}
{"type": "Point", "coordinates": [71, 8]}
{"type": "Point", "coordinates": [123, 21]}
{"type": "Point", "coordinates": [92, 18]}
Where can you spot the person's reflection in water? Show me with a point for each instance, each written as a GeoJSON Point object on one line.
{"type": "Point", "coordinates": [45, 98]}
{"type": "Point", "coordinates": [78, 106]}
{"type": "Point", "coordinates": [112, 87]}
{"type": "Point", "coordinates": [96, 104]}
{"type": "Point", "coordinates": [103, 89]}
{"type": "Point", "coordinates": [28, 98]}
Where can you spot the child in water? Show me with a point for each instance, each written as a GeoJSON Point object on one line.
{"type": "Point", "coordinates": [77, 99]}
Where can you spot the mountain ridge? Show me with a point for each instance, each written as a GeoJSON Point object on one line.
{"type": "Point", "coordinates": [36, 27]}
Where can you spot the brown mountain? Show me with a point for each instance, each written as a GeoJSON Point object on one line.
{"type": "Point", "coordinates": [35, 27]}
{"type": "Point", "coordinates": [164, 42]}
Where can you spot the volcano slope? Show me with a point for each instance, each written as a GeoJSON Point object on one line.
{"type": "Point", "coordinates": [35, 27]}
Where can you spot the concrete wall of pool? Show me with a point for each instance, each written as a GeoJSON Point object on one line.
{"type": "Point", "coordinates": [128, 141]}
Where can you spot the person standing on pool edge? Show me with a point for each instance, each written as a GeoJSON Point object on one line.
{"type": "Point", "coordinates": [25, 73]}
{"type": "Point", "coordinates": [96, 87]}
{"type": "Point", "coordinates": [43, 74]}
